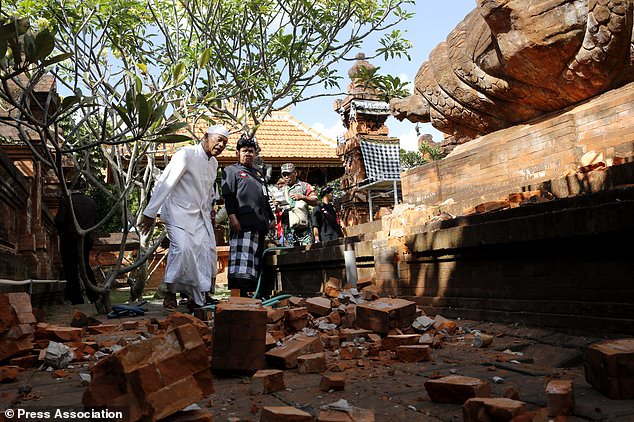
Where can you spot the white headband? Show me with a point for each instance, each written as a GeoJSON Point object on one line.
{"type": "Point", "coordinates": [218, 130]}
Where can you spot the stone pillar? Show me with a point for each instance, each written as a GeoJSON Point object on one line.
{"type": "Point", "coordinates": [363, 114]}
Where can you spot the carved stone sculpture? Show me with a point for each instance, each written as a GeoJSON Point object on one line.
{"type": "Point", "coordinates": [510, 61]}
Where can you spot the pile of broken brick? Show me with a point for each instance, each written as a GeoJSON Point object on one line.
{"type": "Point", "coordinates": [155, 368]}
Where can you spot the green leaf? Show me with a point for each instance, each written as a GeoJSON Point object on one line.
{"type": "Point", "coordinates": [172, 127]}
{"type": "Point", "coordinates": [143, 67]}
{"type": "Point", "coordinates": [138, 84]}
{"type": "Point", "coordinates": [69, 101]}
{"type": "Point", "coordinates": [57, 59]}
{"type": "Point", "coordinates": [130, 100]}
{"type": "Point", "coordinates": [172, 139]}
{"type": "Point", "coordinates": [11, 30]}
{"type": "Point", "coordinates": [44, 44]}
{"type": "Point", "coordinates": [158, 113]}
{"type": "Point", "coordinates": [143, 109]}
{"type": "Point", "coordinates": [204, 58]}
{"type": "Point", "coordinates": [123, 113]}
{"type": "Point", "coordinates": [29, 47]}
{"type": "Point", "coordinates": [177, 70]}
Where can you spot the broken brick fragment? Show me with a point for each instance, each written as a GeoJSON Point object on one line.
{"type": "Point", "coordinates": [456, 389]}
{"type": "Point", "coordinates": [9, 373]}
{"type": "Point", "coordinates": [313, 363]}
{"type": "Point", "coordinates": [64, 334]}
{"type": "Point", "coordinates": [414, 353]}
{"type": "Point", "coordinates": [239, 337]}
{"type": "Point", "coordinates": [560, 397]}
{"type": "Point", "coordinates": [100, 328]}
{"type": "Point", "coordinates": [332, 287]}
{"type": "Point", "coordinates": [284, 414]}
{"type": "Point", "coordinates": [394, 341]}
{"type": "Point", "coordinates": [350, 351]}
{"type": "Point", "coordinates": [350, 334]}
{"type": "Point", "coordinates": [491, 409]}
{"type": "Point", "coordinates": [384, 314]}
{"type": "Point", "coordinates": [153, 378]}
{"type": "Point", "coordinates": [28, 361]}
{"type": "Point", "coordinates": [609, 367]}
{"type": "Point", "coordinates": [81, 320]}
{"type": "Point", "coordinates": [267, 381]}
{"type": "Point", "coordinates": [17, 325]}
{"type": "Point", "coordinates": [319, 306]}
{"type": "Point", "coordinates": [336, 382]}
{"type": "Point", "coordinates": [273, 315]}
{"type": "Point", "coordinates": [335, 318]}
{"type": "Point", "coordinates": [330, 342]}
{"type": "Point", "coordinates": [296, 318]}
{"type": "Point", "coordinates": [442, 323]}
{"type": "Point", "coordinates": [285, 356]}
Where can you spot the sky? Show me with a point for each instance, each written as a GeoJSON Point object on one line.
{"type": "Point", "coordinates": [433, 21]}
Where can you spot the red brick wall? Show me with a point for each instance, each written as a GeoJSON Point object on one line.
{"type": "Point", "coordinates": [500, 163]}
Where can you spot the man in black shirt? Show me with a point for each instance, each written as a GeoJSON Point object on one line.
{"type": "Point", "coordinates": [85, 209]}
{"type": "Point", "coordinates": [324, 219]}
{"type": "Point", "coordinates": [250, 217]}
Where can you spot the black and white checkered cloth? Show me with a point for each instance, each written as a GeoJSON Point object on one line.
{"type": "Point", "coordinates": [243, 262]}
{"type": "Point", "coordinates": [381, 161]}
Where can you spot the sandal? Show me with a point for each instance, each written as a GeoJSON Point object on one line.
{"type": "Point", "coordinates": [169, 302]}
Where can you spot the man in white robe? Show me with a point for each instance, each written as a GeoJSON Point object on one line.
{"type": "Point", "coordinates": [184, 196]}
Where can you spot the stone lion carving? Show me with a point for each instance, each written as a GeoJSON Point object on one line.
{"type": "Point", "coordinates": [510, 61]}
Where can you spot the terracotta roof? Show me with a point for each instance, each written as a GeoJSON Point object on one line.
{"type": "Point", "coordinates": [283, 138]}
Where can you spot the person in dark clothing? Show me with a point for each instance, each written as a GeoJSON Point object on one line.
{"type": "Point", "coordinates": [250, 217]}
{"type": "Point", "coordinates": [85, 209]}
{"type": "Point", "coordinates": [324, 219]}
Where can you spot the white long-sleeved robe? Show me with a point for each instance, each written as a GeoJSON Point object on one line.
{"type": "Point", "coordinates": [184, 196]}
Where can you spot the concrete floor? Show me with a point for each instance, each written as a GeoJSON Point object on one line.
{"type": "Point", "coordinates": [393, 389]}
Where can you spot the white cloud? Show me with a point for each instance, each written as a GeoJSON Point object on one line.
{"type": "Point", "coordinates": [333, 131]}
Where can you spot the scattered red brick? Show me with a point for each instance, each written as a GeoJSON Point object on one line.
{"type": "Point", "coordinates": [561, 398]}
{"type": "Point", "coordinates": [489, 409]}
{"type": "Point", "coordinates": [414, 353]}
{"type": "Point", "coordinates": [154, 378]}
{"type": "Point", "coordinates": [17, 324]}
{"type": "Point", "coordinates": [336, 382]}
{"type": "Point", "coordinates": [456, 389]}
{"type": "Point", "coordinates": [285, 356]}
{"type": "Point", "coordinates": [239, 337]}
{"type": "Point", "coordinates": [609, 367]}
{"type": "Point", "coordinates": [81, 320]}
{"type": "Point", "coordinates": [313, 363]}
{"type": "Point", "coordinates": [267, 381]}
{"type": "Point", "coordinates": [284, 414]}
{"type": "Point", "coordinates": [9, 373]}
{"type": "Point", "coordinates": [383, 314]}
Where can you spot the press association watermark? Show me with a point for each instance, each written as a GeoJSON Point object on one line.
{"type": "Point", "coordinates": [64, 414]}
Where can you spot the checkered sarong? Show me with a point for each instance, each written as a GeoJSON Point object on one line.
{"type": "Point", "coordinates": [244, 261]}
{"type": "Point", "coordinates": [382, 161]}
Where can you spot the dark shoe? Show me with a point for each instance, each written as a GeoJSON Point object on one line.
{"type": "Point", "coordinates": [210, 300]}
{"type": "Point", "coordinates": [169, 303]}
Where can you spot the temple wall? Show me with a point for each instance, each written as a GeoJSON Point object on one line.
{"type": "Point", "coordinates": [28, 238]}
{"type": "Point", "coordinates": [503, 162]}
{"type": "Point", "coordinates": [554, 263]}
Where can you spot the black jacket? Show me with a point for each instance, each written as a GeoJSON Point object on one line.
{"type": "Point", "coordinates": [246, 196]}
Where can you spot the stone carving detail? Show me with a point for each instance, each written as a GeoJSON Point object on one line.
{"type": "Point", "coordinates": [510, 61]}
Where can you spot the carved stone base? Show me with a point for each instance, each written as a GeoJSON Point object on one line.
{"type": "Point", "coordinates": [503, 162]}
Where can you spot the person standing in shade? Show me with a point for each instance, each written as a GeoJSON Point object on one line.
{"type": "Point", "coordinates": [85, 209]}
{"type": "Point", "coordinates": [324, 218]}
{"type": "Point", "coordinates": [184, 196]}
{"type": "Point", "coordinates": [250, 217]}
{"type": "Point", "coordinates": [299, 195]}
